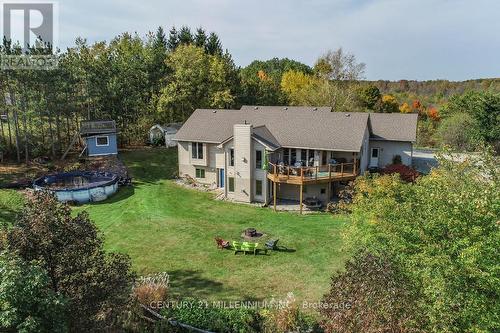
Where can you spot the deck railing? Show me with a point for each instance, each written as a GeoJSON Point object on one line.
{"type": "Point", "coordinates": [323, 172]}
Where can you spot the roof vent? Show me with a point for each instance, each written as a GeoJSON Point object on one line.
{"type": "Point", "coordinates": [347, 114]}
{"type": "Point", "coordinates": [285, 108]}
{"type": "Point", "coordinates": [214, 111]}
{"type": "Point", "coordinates": [315, 109]}
{"type": "Point", "coordinates": [255, 107]}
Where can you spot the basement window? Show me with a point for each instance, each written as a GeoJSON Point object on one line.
{"type": "Point", "coordinates": [200, 173]}
{"type": "Point", "coordinates": [230, 181]}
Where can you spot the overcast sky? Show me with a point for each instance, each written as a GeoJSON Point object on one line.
{"type": "Point", "coordinates": [397, 39]}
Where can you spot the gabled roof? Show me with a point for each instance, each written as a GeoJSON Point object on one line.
{"type": "Point", "coordinates": [264, 135]}
{"type": "Point", "coordinates": [294, 127]}
{"type": "Point", "coordinates": [393, 126]}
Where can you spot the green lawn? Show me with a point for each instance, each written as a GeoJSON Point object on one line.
{"type": "Point", "coordinates": [165, 227]}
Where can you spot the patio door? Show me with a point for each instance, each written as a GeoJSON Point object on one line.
{"type": "Point", "coordinates": [221, 178]}
{"type": "Point", "coordinates": [375, 152]}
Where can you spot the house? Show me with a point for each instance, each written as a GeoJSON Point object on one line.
{"type": "Point", "coordinates": [99, 137]}
{"type": "Point", "coordinates": [164, 132]}
{"type": "Point", "coordinates": [266, 153]}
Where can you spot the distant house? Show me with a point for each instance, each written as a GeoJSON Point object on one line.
{"type": "Point", "coordinates": [164, 132]}
{"type": "Point", "coordinates": [99, 137]}
{"type": "Point", "coordinates": [265, 153]}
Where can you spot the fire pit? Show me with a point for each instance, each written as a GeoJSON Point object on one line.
{"type": "Point", "coordinates": [251, 234]}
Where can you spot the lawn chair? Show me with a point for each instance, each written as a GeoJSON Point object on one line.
{"type": "Point", "coordinates": [222, 244]}
{"type": "Point", "coordinates": [250, 247]}
{"type": "Point", "coordinates": [238, 247]}
{"type": "Point", "coordinates": [272, 244]}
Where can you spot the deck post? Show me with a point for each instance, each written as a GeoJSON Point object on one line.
{"type": "Point", "coordinates": [301, 194]}
{"type": "Point", "coordinates": [328, 192]}
{"type": "Point", "coordinates": [317, 172]}
{"type": "Point", "coordinates": [355, 166]}
{"type": "Point", "coordinates": [329, 171]}
{"type": "Point", "coordinates": [341, 170]}
{"type": "Point", "coordinates": [274, 195]}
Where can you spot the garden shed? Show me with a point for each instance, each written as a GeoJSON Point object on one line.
{"type": "Point", "coordinates": [100, 137]}
{"type": "Point", "coordinates": [164, 134]}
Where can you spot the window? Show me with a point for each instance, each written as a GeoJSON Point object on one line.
{"type": "Point", "coordinates": [323, 158]}
{"type": "Point", "coordinates": [230, 181]}
{"type": "Point", "coordinates": [102, 141]}
{"type": "Point", "coordinates": [197, 150]}
{"type": "Point", "coordinates": [293, 155]}
{"type": "Point", "coordinates": [375, 152]}
{"type": "Point", "coordinates": [231, 157]}
{"type": "Point", "coordinates": [200, 173]}
{"type": "Point", "coordinates": [258, 187]}
{"type": "Point", "coordinates": [286, 156]}
{"type": "Point", "coordinates": [258, 159]}
{"type": "Point", "coordinates": [303, 156]}
{"type": "Point", "coordinates": [311, 157]}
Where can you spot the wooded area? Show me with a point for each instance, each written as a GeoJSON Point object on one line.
{"type": "Point", "coordinates": [163, 77]}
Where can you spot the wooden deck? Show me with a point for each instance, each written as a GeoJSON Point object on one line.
{"type": "Point", "coordinates": [302, 176]}
{"type": "Point", "coordinates": [313, 175]}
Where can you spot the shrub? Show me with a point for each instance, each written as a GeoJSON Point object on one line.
{"type": "Point", "coordinates": [407, 174]}
{"type": "Point", "coordinates": [97, 284]}
{"type": "Point", "coordinates": [442, 232]}
{"type": "Point", "coordinates": [27, 303]}
{"type": "Point", "coordinates": [218, 319]}
{"type": "Point", "coordinates": [371, 296]}
{"type": "Point", "coordinates": [288, 318]}
{"type": "Point", "coordinates": [153, 288]}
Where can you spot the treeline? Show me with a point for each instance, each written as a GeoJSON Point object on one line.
{"type": "Point", "coordinates": [163, 76]}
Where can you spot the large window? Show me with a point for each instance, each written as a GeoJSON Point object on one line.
{"type": "Point", "coordinates": [230, 184]}
{"type": "Point", "coordinates": [311, 157]}
{"type": "Point", "coordinates": [293, 156]}
{"type": "Point", "coordinates": [258, 187]}
{"type": "Point", "coordinates": [286, 156]}
{"type": "Point", "coordinates": [102, 141]}
{"type": "Point", "coordinates": [197, 150]}
{"type": "Point", "coordinates": [303, 156]}
{"type": "Point", "coordinates": [231, 157]}
{"type": "Point", "coordinates": [258, 159]}
{"type": "Point", "coordinates": [200, 173]}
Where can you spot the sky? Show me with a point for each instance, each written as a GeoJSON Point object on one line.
{"type": "Point", "coordinates": [405, 39]}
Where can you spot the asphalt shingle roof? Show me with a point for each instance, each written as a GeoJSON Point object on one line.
{"type": "Point", "coordinates": [393, 126]}
{"type": "Point", "coordinates": [299, 127]}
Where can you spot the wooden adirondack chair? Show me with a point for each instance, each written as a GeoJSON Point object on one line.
{"type": "Point", "coordinates": [238, 247]}
{"type": "Point", "coordinates": [222, 244]}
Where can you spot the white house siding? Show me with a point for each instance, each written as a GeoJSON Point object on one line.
{"type": "Point", "coordinates": [243, 162]}
{"type": "Point", "coordinates": [365, 152]}
{"type": "Point", "coordinates": [188, 165]}
{"type": "Point", "coordinates": [259, 174]}
{"type": "Point", "coordinates": [389, 149]}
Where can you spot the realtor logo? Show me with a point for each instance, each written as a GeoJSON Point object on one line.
{"type": "Point", "coordinates": [28, 22]}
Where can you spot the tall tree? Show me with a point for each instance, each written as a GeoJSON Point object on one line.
{"type": "Point", "coordinates": [97, 284]}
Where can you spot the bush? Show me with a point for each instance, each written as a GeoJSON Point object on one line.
{"type": "Point", "coordinates": [96, 283]}
{"type": "Point", "coordinates": [152, 289]}
{"type": "Point", "coordinates": [442, 232]}
{"type": "Point", "coordinates": [27, 303]}
{"type": "Point", "coordinates": [407, 174]}
{"type": "Point", "coordinates": [288, 318]}
{"type": "Point", "coordinates": [208, 317]}
{"type": "Point", "coordinates": [371, 296]}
